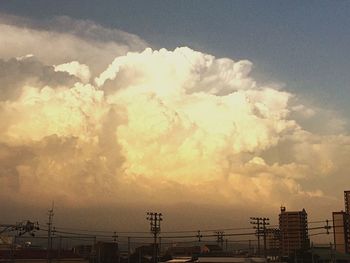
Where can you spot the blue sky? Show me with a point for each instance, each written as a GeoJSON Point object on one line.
{"type": "Point", "coordinates": [303, 44]}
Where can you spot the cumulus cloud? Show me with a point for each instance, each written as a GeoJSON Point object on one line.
{"type": "Point", "coordinates": [74, 68]}
{"type": "Point", "coordinates": [161, 126]}
{"type": "Point", "coordinates": [16, 73]}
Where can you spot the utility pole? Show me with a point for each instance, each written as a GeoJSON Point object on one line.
{"type": "Point", "coordinates": [220, 238]}
{"type": "Point", "coordinates": [60, 247]}
{"type": "Point", "coordinates": [260, 226]}
{"type": "Point", "coordinates": [199, 236]}
{"type": "Point", "coordinates": [115, 236]}
{"type": "Point", "coordinates": [93, 251]}
{"type": "Point", "coordinates": [13, 247]}
{"type": "Point", "coordinates": [265, 223]}
{"type": "Point", "coordinates": [327, 227]}
{"type": "Point", "coordinates": [49, 232]}
{"type": "Point", "coordinates": [155, 219]}
{"type": "Point", "coordinates": [129, 249]}
{"type": "Point", "coordinates": [256, 221]}
{"type": "Point", "coordinates": [250, 247]}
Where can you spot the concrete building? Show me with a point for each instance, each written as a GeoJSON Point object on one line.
{"type": "Point", "coordinates": [341, 231]}
{"type": "Point", "coordinates": [347, 201]}
{"type": "Point", "coordinates": [273, 243]}
{"type": "Point", "coordinates": [341, 226]}
{"type": "Point", "coordinates": [294, 231]}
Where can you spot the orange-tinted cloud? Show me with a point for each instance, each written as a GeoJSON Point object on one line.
{"type": "Point", "coordinates": [154, 126]}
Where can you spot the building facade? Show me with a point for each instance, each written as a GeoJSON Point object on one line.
{"type": "Point", "coordinates": [293, 231]}
{"type": "Point", "coordinates": [347, 201]}
{"type": "Point", "coordinates": [341, 231]}
{"type": "Point", "coordinates": [273, 243]}
{"type": "Point", "coordinates": [341, 226]}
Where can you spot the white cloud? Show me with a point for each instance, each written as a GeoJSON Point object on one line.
{"type": "Point", "coordinates": [306, 112]}
{"type": "Point", "coordinates": [74, 68]}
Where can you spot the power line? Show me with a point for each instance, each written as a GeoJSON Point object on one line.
{"type": "Point", "coordinates": [234, 232]}
{"type": "Point", "coordinates": [178, 231]}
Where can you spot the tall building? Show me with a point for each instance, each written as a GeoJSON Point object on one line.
{"type": "Point", "coordinates": [347, 201]}
{"type": "Point", "coordinates": [293, 230]}
{"type": "Point", "coordinates": [341, 231]}
{"type": "Point", "coordinates": [341, 226]}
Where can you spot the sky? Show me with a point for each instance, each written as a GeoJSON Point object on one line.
{"type": "Point", "coordinates": [211, 111]}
